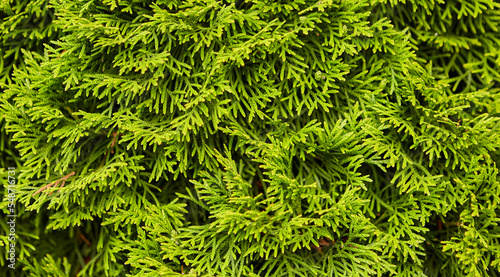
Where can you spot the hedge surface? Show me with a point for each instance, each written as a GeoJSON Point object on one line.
{"type": "Point", "coordinates": [251, 138]}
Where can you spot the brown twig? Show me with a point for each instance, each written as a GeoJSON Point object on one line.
{"type": "Point", "coordinates": [82, 237]}
{"type": "Point", "coordinates": [55, 184]}
{"type": "Point", "coordinates": [113, 141]}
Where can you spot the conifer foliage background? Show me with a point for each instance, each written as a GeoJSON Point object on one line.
{"type": "Point", "coordinates": [252, 138]}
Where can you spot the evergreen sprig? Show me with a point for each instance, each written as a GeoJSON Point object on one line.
{"type": "Point", "coordinates": [256, 138]}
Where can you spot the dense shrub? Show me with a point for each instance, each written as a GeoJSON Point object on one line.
{"type": "Point", "coordinates": [255, 138]}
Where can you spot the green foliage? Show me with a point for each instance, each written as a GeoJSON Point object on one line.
{"type": "Point", "coordinates": [255, 138]}
{"type": "Point", "coordinates": [26, 26]}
